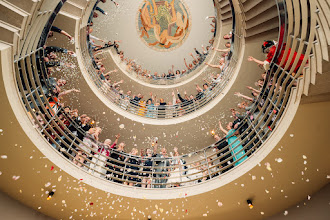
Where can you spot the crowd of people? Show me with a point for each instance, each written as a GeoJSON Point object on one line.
{"type": "Point", "coordinates": [77, 135]}
{"type": "Point", "coordinates": [151, 106]}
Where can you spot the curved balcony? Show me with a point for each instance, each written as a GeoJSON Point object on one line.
{"type": "Point", "coordinates": [163, 112]}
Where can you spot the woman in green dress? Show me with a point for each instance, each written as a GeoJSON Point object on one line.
{"type": "Point", "coordinates": [235, 146]}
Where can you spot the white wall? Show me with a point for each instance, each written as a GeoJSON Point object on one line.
{"type": "Point", "coordinates": [11, 209]}
{"type": "Point", "coordinates": [318, 207]}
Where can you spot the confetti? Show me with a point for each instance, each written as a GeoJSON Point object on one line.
{"type": "Point", "coordinates": [291, 135]}
{"type": "Point", "coordinates": [47, 184]}
{"type": "Point", "coordinates": [219, 204]}
{"type": "Point", "coordinates": [4, 157]}
{"type": "Point", "coordinates": [52, 168]}
{"type": "Point", "coordinates": [286, 212]}
{"type": "Point", "coordinates": [262, 213]}
{"type": "Point", "coordinates": [279, 160]}
{"type": "Point", "coordinates": [121, 126]}
{"type": "Point", "coordinates": [304, 157]}
{"type": "Point", "coordinates": [16, 177]}
{"type": "Point", "coordinates": [268, 166]}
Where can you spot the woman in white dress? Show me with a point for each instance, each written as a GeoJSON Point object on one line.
{"type": "Point", "coordinates": [86, 146]}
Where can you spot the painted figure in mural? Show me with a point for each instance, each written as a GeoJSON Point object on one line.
{"type": "Point", "coordinates": [162, 17]}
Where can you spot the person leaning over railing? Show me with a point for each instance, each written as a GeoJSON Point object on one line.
{"type": "Point", "coordinates": [84, 150]}
{"type": "Point", "coordinates": [269, 48]}
{"type": "Point", "coordinates": [148, 163]}
{"type": "Point", "coordinates": [222, 148]}
{"type": "Point", "coordinates": [60, 31]}
{"type": "Point", "coordinates": [115, 164]}
{"type": "Point", "coordinates": [151, 107]}
{"type": "Point", "coordinates": [132, 167]}
{"type": "Point", "coordinates": [161, 164]}
{"type": "Point", "coordinates": [234, 144]}
{"type": "Point", "coordinates": [100, 158]}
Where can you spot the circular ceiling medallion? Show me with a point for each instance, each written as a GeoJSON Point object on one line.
{"type": "Point", "coordinates": [163, 25]}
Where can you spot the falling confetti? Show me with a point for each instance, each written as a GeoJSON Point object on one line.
{"type": "Point", "coordinates": [268, 166]}
{"type": "Point", "coordinates": [47, 184]}
{"type": "Point", "coordinates": [52, 168]}
{"type": "Point", "coordinates": [304, 157]}
{"type": "Point", "coordinates": [279, 160]}
{"type": "Point", "coordinates": [291, 135]}
{"type": "Point", "coordinates": [16, 177]}
{"type": "Point", "coordinates": [121, 126]}
{"type": "Point", "coordinates": [219, 204]}
{"type": "Point", "coordinates": [4, 157]}
{"type": "Point", "coordinates": [286, 212]}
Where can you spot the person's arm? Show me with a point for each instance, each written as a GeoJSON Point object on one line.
{"type": "Point", "coordinates": [67, 92]}
{"type": "Point", "coordinates": [244, 96]}
{"type": "Point", "coordinates": [204, 50]}
{"type": "Point", "coordinates": [193, 57]}
{"type": "Point", "coordinates": [176, 153]}
{"type": "Point", "coordinates": [253, 89]}
{"type": "Point", "coordinates": [222, 50]}
{"type": "Point", "coordinates": [152, 97]}
{"type": "Point", "coordinates": [173, 98]}
{"type": "Point", "coordinates": [214, 66]}
{"type": "Point", "coordinates": [101, 10]}
{"type": "Point", "coordinates": [252, 59]}
{"type": "Point", "coordinates": [108, 73]}
{"type": "Point", "coordinates": [117, 83]}
{"type": "Point", "coordinates": [179, 96]}
{"type": "Point", "coordinates": [206, 81]}
{"type": "Point", "coordinates": [185, 95]}
{"type": "Point", "coordinates": [116, 4]}
{"type": "Point", "coordinates": [155, 147]}
{"type": "Point", "coordinates": [116, 141]}
{"type": "Point", "coordinates": [60, 31]}
{"type": "Point", "coordinates": [185, 62]}
{"type": "Point", "coordinates": [66, 34]}
{"type": "Point", "coordinates": [198, 88]}
{"type": "Point", "coordinates": [97, 52]}
{"type": "Point", "coordinates": [222, 129]}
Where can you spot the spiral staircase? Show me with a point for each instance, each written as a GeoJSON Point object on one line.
{"type": "Point", "coordinates": [288, 160]}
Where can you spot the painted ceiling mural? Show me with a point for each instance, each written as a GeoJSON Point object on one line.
{"type": "Point", "coordinates": [163, 25]}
